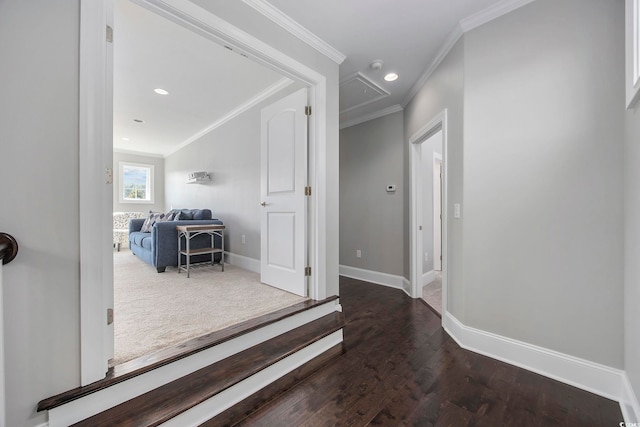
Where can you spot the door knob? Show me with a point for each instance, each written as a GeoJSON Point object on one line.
{"type": "Point", "coordinates": [263, 204]}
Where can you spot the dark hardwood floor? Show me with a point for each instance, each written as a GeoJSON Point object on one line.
{"type": "Point", "coordinates": [401, 368]}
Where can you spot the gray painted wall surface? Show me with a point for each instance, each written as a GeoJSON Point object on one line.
{"type": "Point", "coordinates": [39, 134]}
{"type": "Point", "coordinates": [231, 155]}
{"type": "Point", "coordinates": [543, 238]}
{"type": "Point", "coordinates": [372, 220]}
{"type": "Point", "coordinates": [39, 148]}
{"type": "Point", "coordinates": [444, 89]}
{"type": "Point", "coordinates": [632, 248]}
{"type": "Point", "coordinates": [158, 170]}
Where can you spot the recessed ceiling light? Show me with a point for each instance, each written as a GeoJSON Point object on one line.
{"type": "Point", "coordinates": [391, 77]}
{"type": "Point", "coordinates": [138, 121]}
{"type": "Point", "coordinates": [126, 139]}
{"type": "Point", "coordinates": [161, 91]}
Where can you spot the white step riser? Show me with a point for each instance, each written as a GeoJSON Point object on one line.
{"type": "Point", "coordinates": [102, 400]}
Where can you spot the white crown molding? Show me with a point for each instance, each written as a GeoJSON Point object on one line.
{"type": "Point", "coordinates": [271, 90]}
{"type": "Point", "coordinates": [138, 153]}
{"type": "Point", "coordinates": [284, 21]}
{"type": "Point", "coordinates": [371, 116]}
{"type": "Point", "coordinates": [491, 13]}
{"type": "Point", "coordinates": [446, 47]}
{"type": "Point", "coordinates": [466, 24]}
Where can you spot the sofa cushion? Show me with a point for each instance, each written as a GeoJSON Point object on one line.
{"type": "Point", "coordinates": [156, 217]}
{"type": "Point", "coordinates": [192, 214]}
{"type": "Point", "coordinates": [137, 237]}
{"type": "Point", "coordinates": [146, 242]}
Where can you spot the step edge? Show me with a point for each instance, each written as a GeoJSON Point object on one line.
{"type": "Point", "coordinates": [80, 392]}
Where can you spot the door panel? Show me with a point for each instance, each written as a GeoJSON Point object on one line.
{"type": "Point", "coordinates": [283, 251]}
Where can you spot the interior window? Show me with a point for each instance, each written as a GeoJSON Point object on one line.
{"type": "Point", "coordinates": [136, 183]}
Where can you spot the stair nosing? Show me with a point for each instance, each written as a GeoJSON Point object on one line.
{"type": "Point", "coordinates": [117, 378]}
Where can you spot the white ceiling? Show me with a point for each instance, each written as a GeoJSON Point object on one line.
{"type": "Point", "coordinates": [405, 34]}
{"type": "Point", "coordinates": [205, 81]}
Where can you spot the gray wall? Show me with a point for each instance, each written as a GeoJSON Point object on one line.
{"type": "Point", "coordinates": [158, 171]}
{"type": "Point", "coordinates": [444, 89]}
{"type": "Point", "coordinates": [231, 155]}
{"type": "Point", "coordinates": [543, 131]}
{"type": "Point", "coordinates": [372, 220]}
{"type": "Point", "coordinates": [632, 248]}
{"type": "Point", "coordinates": [39, 148]}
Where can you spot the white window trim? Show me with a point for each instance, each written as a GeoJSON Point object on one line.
{"type": "Point", "coordinates": [632, 51]}
{"type": "Point", "coordinates": [151, 183]}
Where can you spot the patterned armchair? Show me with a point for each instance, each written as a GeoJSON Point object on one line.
{"type": "Point", "coordinates": [121, 227]}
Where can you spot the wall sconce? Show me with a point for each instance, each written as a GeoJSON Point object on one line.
{"type": "Point", "coordinates": [196, 177]}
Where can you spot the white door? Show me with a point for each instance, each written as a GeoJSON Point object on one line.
{"type": "Point", "coordinates": [437, 214]}
{"type": "Point", "coordinates": [283, 218]}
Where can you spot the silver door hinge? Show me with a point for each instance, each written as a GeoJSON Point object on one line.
{"type": "Point", "coordinates": [307, 191]}
{"type": "Point", "coordinates": [109, 34]}
{"type": "Point", "coordinates": [307, 110]}
{"type": "Point", "coordinates": [109, 316]}
{"type": "Point", "coordinates": [307, 271]}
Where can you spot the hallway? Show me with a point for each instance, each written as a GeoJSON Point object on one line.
{"type": "Point", "coordinates": [401, 368]}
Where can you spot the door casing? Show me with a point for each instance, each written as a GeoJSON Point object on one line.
{"type": "Point", "coordinates": [94, 160]}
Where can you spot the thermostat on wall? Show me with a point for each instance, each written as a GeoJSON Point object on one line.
{"type": "Point", "coordinates": [391, 188]}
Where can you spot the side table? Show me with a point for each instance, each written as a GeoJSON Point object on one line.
{"type": "Point", "coordinates": [191, 231]}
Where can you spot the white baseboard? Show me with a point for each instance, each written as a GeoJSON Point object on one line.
{"type": "Point", "coordinates": [242, 261]}
{"type": "Point", "coordinates": [377, 277]}
{"type": "Point", "coordinates": [629, 404]}
{"type": "Point", "coordinates": [428, 277]}
{"type": "Point", "coordinates": [592, 377]}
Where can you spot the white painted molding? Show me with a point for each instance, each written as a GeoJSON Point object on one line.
{"type": "Point", "coordinates": [629, 404]}
{"type": "Point", "coordinates": [284, 21]}
{"type": "Point", "coordinates": [590, 376]}
{"type": "Point", "coordinates": [428, 277]}
{"type": "Point", "coordinates": [271, 90]}
{"type": "Point", "coordinates": [235, 394]}
{"type": "Point", "coordinates": [371, 116]}
{"type": "Point", "coordinates": [491, 13]}
{"type": "Point", "coordinates": [448, 44]}
{"type": "Point", "coordinates": [138, 153]}
{"type": "Point", "coordinates": [242, 261]}
{"type": "Point", "coordinates": [466, 24]}
{"type": "Point", "coordinates": [89, 405]}
{"type": "Point", "coordinates": [375, 277]}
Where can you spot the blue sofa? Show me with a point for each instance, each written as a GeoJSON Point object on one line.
{"type": "Point", "coordinates": [160, 247]}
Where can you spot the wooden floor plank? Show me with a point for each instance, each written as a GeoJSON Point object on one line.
{"type": "Point", "coordinates": [401, 368]}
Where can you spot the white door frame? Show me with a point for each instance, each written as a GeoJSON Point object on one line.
{"type": "Point", "coordinates": [437, 216]}
{"type": "Point", "coordinates": [93, 127]}
{"type": "Point", "coordinates": [416, 208]}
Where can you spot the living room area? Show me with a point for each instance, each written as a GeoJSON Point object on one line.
{"type": "Point", "coordinates": [186, 152]}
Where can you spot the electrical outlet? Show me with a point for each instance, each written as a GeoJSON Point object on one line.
{"type": "Point", "coordinates": [244, 239]}
{"type": "Point", "coordinates": [426, 257]}
{"type": "Point", "coordinates": [358, 253]}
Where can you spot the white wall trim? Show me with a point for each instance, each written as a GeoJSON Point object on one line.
{"type": "Point", "coordinates": [235, 394]}
{"type": "Point", "coordinates": [138, 153]}
{"type": "Point", "coordinates": [271, 90]}
{"type": "Point", "coordinates": [242, 261]}
{"type": "Point", "coordinates": [284, 21]}
{"type": "Point", "coordinates": [466, 24]}
{"type": "Point", "coordinates": [428, 277]}
{"type": "Point", "coordinates": [590, 376]}
{"type": "Point", "coordinates": [491, 13]}
{"type": "Point", "coordinates": [371, 116]}
{"type": "Point", "coordinates": [629, 404]}
{"type": "Point", "coordinates": [375, 277]}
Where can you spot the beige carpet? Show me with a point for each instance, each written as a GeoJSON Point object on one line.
{"type": "Point", "coordinates": [432, 292]}
{"type": "Point", "coordinates": [154, 311]}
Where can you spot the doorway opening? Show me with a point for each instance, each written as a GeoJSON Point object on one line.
{"type": "Point", "coordinates": [428, 151]}
{"type": "Point", "coordinates": [97, 145]}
